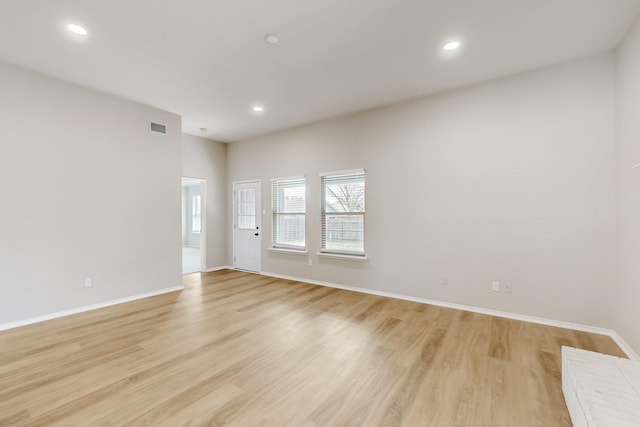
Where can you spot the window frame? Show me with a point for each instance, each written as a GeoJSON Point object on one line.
{"type": "Point", "coordinates": [277, 185]}
{"type": "Point", "coordinates": [324, 177]}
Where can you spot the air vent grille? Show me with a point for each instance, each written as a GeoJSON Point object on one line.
{"type": "Point", "coordinates": [158, 128]}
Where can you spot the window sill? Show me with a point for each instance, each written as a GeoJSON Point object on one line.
{"type": "Point", "coordinates": [360, 258]}
{"type": "Point", "coordinates": [288, 251]}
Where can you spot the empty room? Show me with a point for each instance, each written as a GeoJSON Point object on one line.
{"type": "Point", "coordinates": [320, 213]}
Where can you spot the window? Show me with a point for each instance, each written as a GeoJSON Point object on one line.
{"type": "Point", "coordinates": [342, 214]}
{"type": "Point", "coordinates": [196, 214]}
{"type": "Point", "coordinates": [247, 208]}
{"type": "Point", "coordinates": [289, 208]}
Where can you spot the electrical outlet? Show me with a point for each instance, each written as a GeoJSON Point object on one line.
{"type": "Point", "coordinates": [445, 281]}
{"type": "Point", "coordinates": [88, 282]}
{"type": "Point", "coordinates": [310, 262]}
{"type": "Point", "coordinates": [495, 286]}
{"type": "Point", "coordinates": [507, 288]}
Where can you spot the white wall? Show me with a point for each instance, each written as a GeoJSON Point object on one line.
{"type": "Point", "coordinates": [206, 159]}
{"type": "Point", "coordinates": [83, 174]}
{"type": "Point", "coordinates": [511, 180]}
{"type": "Point", "coordinates": [626, 320]}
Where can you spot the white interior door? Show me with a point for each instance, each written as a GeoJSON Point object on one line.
{"type": "Point", "coordinates": [247, 228]}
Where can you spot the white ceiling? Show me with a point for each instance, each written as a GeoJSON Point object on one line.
{"type": "Point", "coordinates": [206, 59]}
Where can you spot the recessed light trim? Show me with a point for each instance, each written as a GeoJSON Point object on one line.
{"type": "Point", "coordinates": [258, 108]}
{"type": "Point", "coordinates": [452, 45]}
{"type": "Point", "coordinates": [271, 38]}
{"type": "Point", "coordinates": [77, 29]}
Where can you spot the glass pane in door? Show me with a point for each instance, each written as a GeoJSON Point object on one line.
{"type": "Point", "coordinates": [246, 208]}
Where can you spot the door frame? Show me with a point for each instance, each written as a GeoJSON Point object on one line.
{"type": "Point", "coordinates": [203, 220]}
{"type": "Point", "coordinates": [258, 218]}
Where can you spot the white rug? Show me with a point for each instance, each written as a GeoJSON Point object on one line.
{"type": "Point", "coordinates": [600, 390]}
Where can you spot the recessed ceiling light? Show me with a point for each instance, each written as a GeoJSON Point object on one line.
{"type": "Point", "coordinates": [452, 46]}
{"type": "Point", "coordinates": [258, 109]}
{"type": "Point", "coordinates": [271, 38]}
{"type": "Point", "coordinates": [77, 29]}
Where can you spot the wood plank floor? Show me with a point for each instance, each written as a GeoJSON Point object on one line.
{"type": "Point", "coordinates": [241, 349]}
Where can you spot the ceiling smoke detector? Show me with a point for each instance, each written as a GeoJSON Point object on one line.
{"type": "Point", "coordinates": [271, 38]}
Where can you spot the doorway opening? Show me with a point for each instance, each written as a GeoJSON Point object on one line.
{"type": "Point", "coordinates": [193, 225]}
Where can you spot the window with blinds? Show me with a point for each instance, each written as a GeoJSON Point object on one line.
{"type": "Point", "coordinates": [289, 210]}
{"type": "Point", "coordinates": [342, 215]}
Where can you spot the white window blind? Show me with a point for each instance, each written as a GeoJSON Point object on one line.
{"type": "Point", "coordinates": [342, 215]}
{"type": "Point", "coordinates": [289, 211]}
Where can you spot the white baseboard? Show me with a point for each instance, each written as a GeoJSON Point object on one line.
{"type": "Point", "coordinates": [224, 267]}
{"type": "Point", "coordinates": [624, 346]}
{"type": "Point", "coordinates": [514, 316]}
{"type": "Point", "coordinates": [18, 323]}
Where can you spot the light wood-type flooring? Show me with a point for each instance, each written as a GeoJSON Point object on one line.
{"type": "Point", "coordinates": [241, 349]}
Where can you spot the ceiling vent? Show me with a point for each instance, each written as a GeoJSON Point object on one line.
{"type": "Point", "coordinates": [158, 128]}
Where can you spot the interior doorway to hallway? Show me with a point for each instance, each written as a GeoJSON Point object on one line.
{"type": "Point", "coordinates": [193, 225]}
